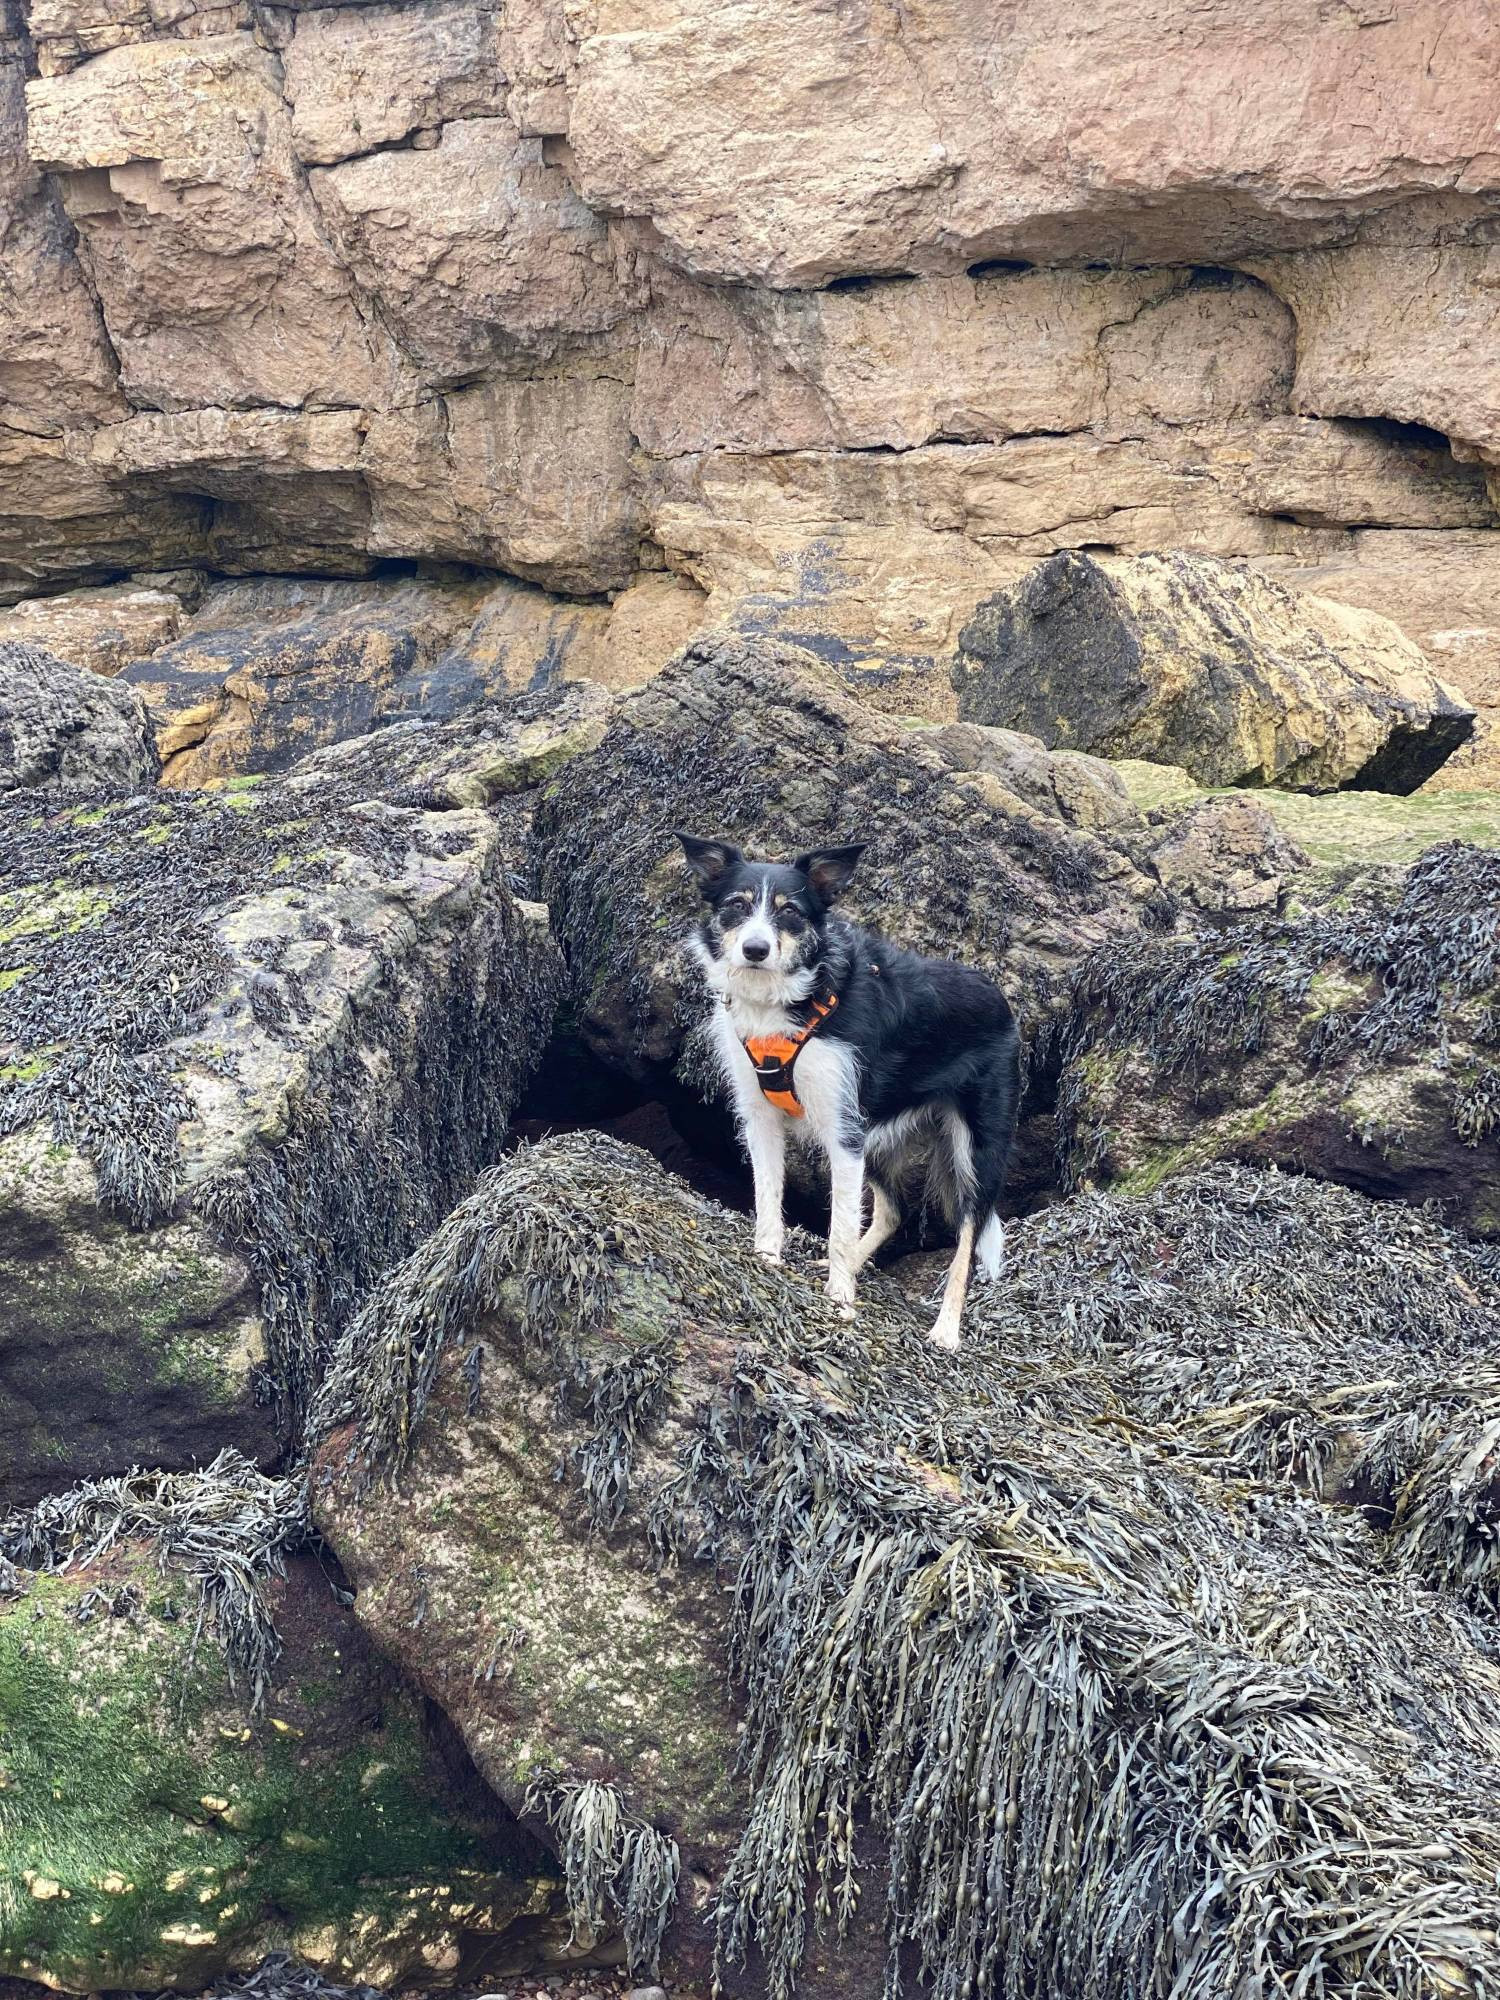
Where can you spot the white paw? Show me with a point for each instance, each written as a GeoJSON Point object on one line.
{"type": "Point", "coordinates": [840, 1288]}
{"type": "Point", "coordinates": [846, 1311]}
{"type": "Point", "coordinates": [767, 1253]}
{"type": "Point", "coordinates": [945, 1337]}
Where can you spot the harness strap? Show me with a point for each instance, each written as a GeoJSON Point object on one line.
{"type": "Point", "coordinates": [774, 1057]}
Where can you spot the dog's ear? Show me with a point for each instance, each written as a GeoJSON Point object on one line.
{"type": "Point", "coordinates": [708, 859]}
{"type": "Point", "coordinates": [829, 869]}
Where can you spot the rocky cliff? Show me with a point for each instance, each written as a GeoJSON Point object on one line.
{"type": "Point", "coordinates": [823, 318]}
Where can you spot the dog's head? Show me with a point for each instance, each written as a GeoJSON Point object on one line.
{"type": "Point", "coordinates": [767, 917]}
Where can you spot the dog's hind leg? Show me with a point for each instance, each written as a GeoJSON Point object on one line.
{"type": "Point", "coordinates": [884, 1222]}
{"type": "Point", "coordinates": [989, 1251]}
{"type": "Point", "coordinates": [945, 1331]}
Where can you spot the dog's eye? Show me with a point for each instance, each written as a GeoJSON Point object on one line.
{"type": "Point", "coordinates": [791, 920]}
{"type": "Point", "coordinates": [735, 907]}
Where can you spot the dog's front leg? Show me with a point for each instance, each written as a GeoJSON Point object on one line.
{"type": "Point", "coordinates": [765, 1140]}
{"type": "Point", "coordinates": [846, 1172]}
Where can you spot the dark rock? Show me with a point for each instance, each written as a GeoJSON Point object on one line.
{"type": "Point", "coordinates": [1359, 1042]}
{"type": "Point", "coordinates": [269, 671]}
{"type": "Point", "coordinates": [1205, 664]}
{"type": "Point", "coordinates": [67, 729]}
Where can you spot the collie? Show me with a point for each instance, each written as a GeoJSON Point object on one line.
{"type": "Point", "coordinates": [904, 1070]}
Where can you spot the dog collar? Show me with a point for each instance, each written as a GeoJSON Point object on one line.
{"type": "Point", "coordinates": [774, 1057]}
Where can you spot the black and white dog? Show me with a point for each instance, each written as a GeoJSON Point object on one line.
{"type": "Point", "coordinates": [903, 1069]}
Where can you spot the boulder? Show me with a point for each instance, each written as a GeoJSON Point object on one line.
{"type": "Point", "coordinates": [1357, 1042]}
{"type": "Point", "coordinates": [252, 1044]}
{"type": "Point", "coordinates": [230, 698]}
{"type": "Point", "coordinates": [66, 729]}
{"type": "Point", "coordinates": [206, 1761]}
{"type": "Point", "coordinates": [1189, 661]}
{"type": "Point", "coordinates": [502, 754]}
{"type": "Point", "coordinates": [759, 742]}
{"type": "Point", "coordinates": [102, 630]}
{"type": "Point", "coordinates": [1016, 1619]}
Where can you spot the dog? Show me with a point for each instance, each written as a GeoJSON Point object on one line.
{"type": "Point", "coordinates": [904, 1070]}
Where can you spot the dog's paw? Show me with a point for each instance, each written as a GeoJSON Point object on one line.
{"type": "Point", "coordinates": [840, 1288]}
{"type": "Point", "coordinates": [945, 1337]}
{"type": "Point", "coordinates": [767, 1256]}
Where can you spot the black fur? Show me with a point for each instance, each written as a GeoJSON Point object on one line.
{"type": "Point", "coordinates": [927, 1032]}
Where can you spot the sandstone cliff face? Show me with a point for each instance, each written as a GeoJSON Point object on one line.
{"type": "Point", "coordinates": [844, 322]}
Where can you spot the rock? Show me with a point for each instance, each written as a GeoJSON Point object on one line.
{"type": "Point", "coordinates": [477, 248]}
{"type": "Point", "coordinates": [1062, 1544]}
{"type": "Point", "coordinates": [500, 754]}
{"type": "Point", "coordinates": [176, 163]}
{"type": "Point", "coordinates": [1210, 667]}
{"type": "Point", "coordinates": [698, 123]}
{"type": "Point", "coordinates": [101, 630]}
{"type": "Point", "coordinates": [1344, 835]}
{"type": "Point", "coordinates": [1443, 590]}
{"type": "Point", "coordinates": [252, 1043]}
{"type": "Point", "coordinates": [362, 79]}
{"type": "Point", "coordinates": [66, 729]}
{"type": "Point", "coordinates": [1228, 857]}
{"type": "Point", "coordinates": [522, 639]}
{"type": "Point", "coordinates": [178, 1825]}
{"type": "Point", "coordinates": [758, 742]}
{"type": "Point", "coordinates": [232, 698]}
{"type": "Point", "coordinates": [1355, 1042]}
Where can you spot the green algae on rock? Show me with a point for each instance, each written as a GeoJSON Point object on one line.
{"type": "Point", "coordinates": [1360, 1041]}
{"type": "Point", "coordinates": [157, 1829]}
{"type": "Point", "coordinates": [255, 1043]}
{"type": "Point", "coordinates": [1109, 1691]}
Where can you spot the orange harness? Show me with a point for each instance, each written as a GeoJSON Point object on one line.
{"type": "Point", "coordinates": [774, 1057]}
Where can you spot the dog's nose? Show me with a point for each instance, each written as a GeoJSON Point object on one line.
{"type": "Point", "coordinates": [756, 950]}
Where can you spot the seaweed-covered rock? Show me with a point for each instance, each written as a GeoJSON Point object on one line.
{"type": "Point", "coordinates": [1188, 660]}
{"type": "Point", "coordinates": [235, 698]}
{"type": "Point", "coordinates": [756, 740]}
{"type": "Point", "coordinates": [163, 1821]}
{"type": "Point", "coordinates": [65, 728]}
{"type": "Point", "coordinates": [252, 1044]}
{"type": "Point", "coordinates": [1014, 1631]}
{"type": "Point", "coordinates": [1359, 1041]}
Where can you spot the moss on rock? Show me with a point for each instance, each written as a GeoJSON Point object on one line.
{"type": "Point", "coordinates": [155, 1831]}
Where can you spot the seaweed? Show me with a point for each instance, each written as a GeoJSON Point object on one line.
{"type": "Point", "coordinates": [113, 926]}
{"type": "Point", "coordinates": [1073, 1623]}
{"type": "Point", "coordinates": [1408, 968]}
{"type": "Point", "coordinates": [228, 1529]}
{"type": "Point", "coordinates": [613, 1864]}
